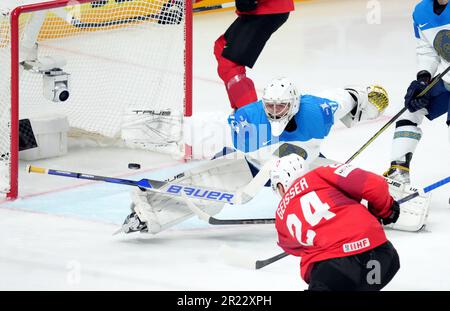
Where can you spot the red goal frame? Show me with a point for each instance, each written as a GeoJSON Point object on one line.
{"type": "Point", "coordinates": [15, 15]}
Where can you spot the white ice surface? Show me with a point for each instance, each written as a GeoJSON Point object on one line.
{"type": "Point", "coordinates": [60, 239]}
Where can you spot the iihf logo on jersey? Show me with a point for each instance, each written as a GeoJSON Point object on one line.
{"type": "Point", "coordinates": [355, 246]}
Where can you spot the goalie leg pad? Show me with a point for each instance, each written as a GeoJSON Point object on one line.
{"type": "Point", "coordinates": [413, 213]}
{"type": "Point", "coordinates": [162, 211]}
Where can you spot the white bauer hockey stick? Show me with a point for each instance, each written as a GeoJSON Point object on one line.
{"type": "Point", "coordinates": [172, 188]}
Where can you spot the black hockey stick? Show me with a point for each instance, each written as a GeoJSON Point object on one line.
{"type": "Point", "coordinates": [213, 7]}
{"type": "Point", "coordinates": [250, 221]}
{"type": "Point", "coordinates": [262, 263]}
{"type": "Point", "coordinates": [392, 120]}
{"type": "Point", "coordinates": [214, 221]}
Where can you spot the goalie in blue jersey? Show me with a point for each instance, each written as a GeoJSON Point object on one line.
{"type": "Point", "coordinates": [282, 122]}
{"type": "Point", "coordinates": [285, 121]}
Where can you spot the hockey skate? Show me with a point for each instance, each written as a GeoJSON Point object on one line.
{"type": "Point", "coordinates": [143, 217]}
{"type": "Point", "coordinates": [398, 171]}
{"type": "Point", "coordinates": [132, 224]}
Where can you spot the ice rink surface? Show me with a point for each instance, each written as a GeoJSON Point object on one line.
{"type": "Point", "coordinates": [60, 239]}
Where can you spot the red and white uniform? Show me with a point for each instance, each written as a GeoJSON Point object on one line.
{"type": "Point", "coordinates": [271, 7]}
{"type": "Point", "coordinates": [320, 217]}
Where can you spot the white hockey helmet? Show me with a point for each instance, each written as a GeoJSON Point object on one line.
{"type": "Point", "coordinates": [286, 170]}
{"type": "Point", "coordinates": [281, 102]}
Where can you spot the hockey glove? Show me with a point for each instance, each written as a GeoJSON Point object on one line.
{"type": "Point", "coordinates": [412, 102]}
{"type": "Point", "coordinates": [392, 218]}
{"type": "Point", "coordinates": [246, 5]}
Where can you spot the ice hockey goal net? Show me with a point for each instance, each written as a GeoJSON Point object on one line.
{"type": "Point", "coordinates": [120, 55]}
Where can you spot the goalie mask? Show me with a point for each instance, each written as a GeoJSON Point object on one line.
{"type": "Point", "coordinates": [286, 171]}
{"type": "Point", "coordinates": [281, 102]}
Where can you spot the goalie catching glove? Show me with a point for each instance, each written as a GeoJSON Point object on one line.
{"type": "Point", "coordinates": [371, 102]}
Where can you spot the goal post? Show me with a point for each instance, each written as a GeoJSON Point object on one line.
{"type": "Point", "coordinates": [125, 63]}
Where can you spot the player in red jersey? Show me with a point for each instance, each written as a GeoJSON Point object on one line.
{"type": "Point", "coordinates": [241, 44]}
{"type": "Point", "coordinates": [320, 218]}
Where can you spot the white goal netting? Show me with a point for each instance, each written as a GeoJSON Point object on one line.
{"type": "Point", "coordinates": [119, 55]}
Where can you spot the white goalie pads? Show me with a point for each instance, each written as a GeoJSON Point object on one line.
{"type": "Point", "coordinates": [413, 213]}
{"type": "Point", "coordinates": [162, 211]}
{"type": "Point", "coordinates": [154, 130]}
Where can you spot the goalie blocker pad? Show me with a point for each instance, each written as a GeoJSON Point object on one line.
{"type": "Point", "coordinates": [413, 213]}
{"type": "Point", "coordinates": [154, 130]}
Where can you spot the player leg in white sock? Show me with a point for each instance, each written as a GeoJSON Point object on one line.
{"type": "Point", "coordinates": [406, 138]}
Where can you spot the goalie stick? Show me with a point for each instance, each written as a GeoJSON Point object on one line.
{"type": "Point", "coordinates": [171, 188]}
{"type": "Point", "coordinates": [262, 263]}
{"type": "Point", "coordinates": [164, 187]}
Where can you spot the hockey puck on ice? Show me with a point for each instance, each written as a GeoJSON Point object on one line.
{"type": "Point", "coordinates": [134, 166]}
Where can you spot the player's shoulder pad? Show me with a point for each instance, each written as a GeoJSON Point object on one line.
{"type": "Point", "coordinates": [339, 169]}
{"type": "Point", "coordinates": [423, 11]}
{"type": "Point", "coordinates": [318, 115]}
{"type": "Point", "coordinates": [255, 106]}
{"type": "Point", "coordinates": [343, 169]}
{"type": "Point", "coordinates": [315, 102]}
{"type": "Point", "coordinates": [250, 112]}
